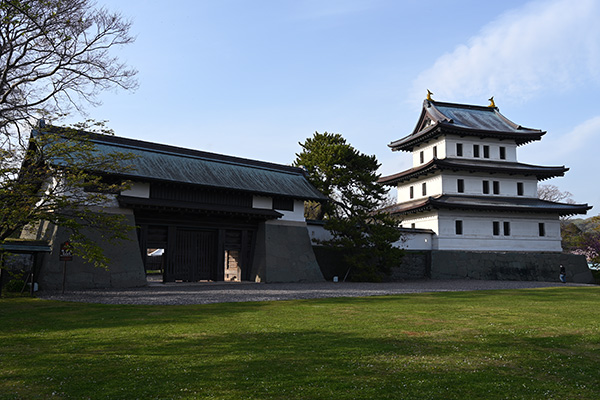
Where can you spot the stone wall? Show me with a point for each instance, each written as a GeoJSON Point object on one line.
{"type": "Point", "coordinates": [519, 266]}
{"type": "Point", "coordinates": [445, 264]}
{"type": "Point", "coordinates": [414, 265]}
{"type": "Point", "coordinates": [284, 254]}
{"type": "Point", "coordinates": [125, 267]}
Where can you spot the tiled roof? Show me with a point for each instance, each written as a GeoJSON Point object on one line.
{"type": "Point", "coordinates": [487, 203]}
{"type": "Point", "coordinates": [438, 118]}
{"type": "Point", "coordinates": [158, 162]}
{"type": "Point", "coordinates": [461, 164]}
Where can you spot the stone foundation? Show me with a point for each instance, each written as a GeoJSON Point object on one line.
{"type": "Point", "coordinates": [414, 265]}
{"type": "Point", "coordinates": [284, 254]}
{"type": "Point", "coordinates": [124, 270]}
{"type": "Point", "coordinates": [444, 264]}
{"type": "Point", "coordinates": [508, 266]}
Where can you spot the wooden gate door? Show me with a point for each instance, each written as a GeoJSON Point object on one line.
{"type": "Point", "coordinates": [195, 257]}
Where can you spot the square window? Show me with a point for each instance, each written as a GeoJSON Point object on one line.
{"type": "Point", "coordinates": [496, 228]}
{"type": "Point", "coordinates": [476, 150]}
{"type": "Point", "coordinates": [496, 187]}
{"type": "Point", "coordinates": [502, 153]}
{"type": "Point", "coordinates": [283, 204]}
{"type": "Point", "coordinates": [459, 149]}
{"type": "Point", "coordinates": [460, 185]}
{"type": "Point", "coordinates": [486, 187]}
{"type": "Point", "coordinates": [458, 227]}
{"type": "Point", "coordinates": [486, 151]}
{"type": "Point", "coordinates": [506, 228]}
{"type": "Point", "coordinates": [519, 188]}
{"type": "Point", "coordinates": [412, 225]}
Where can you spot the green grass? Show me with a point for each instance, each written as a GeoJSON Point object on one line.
{"type": "Point", "coordinates": [522, 344]}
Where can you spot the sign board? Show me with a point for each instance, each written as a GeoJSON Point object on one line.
{"type": "Point", "coordinates": [66, 252]}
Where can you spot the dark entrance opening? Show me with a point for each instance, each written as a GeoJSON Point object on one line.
{"type": "Point", "coordinates": [196, 246]}
{"type": "Point", "coordinates": [195, 257]}
{"type": "Point", "coordinates": [155, 264]}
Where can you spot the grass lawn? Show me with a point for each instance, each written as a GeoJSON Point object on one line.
{"type": "Point", "coordinates": [514, 344]}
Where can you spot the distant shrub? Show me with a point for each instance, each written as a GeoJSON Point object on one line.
{"type": "Point", "coordinates": [596, 275]}
{"type": "Point", "coordinates": [14, 285]}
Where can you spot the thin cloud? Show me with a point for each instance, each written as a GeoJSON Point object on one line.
{"type": "Point", "coordinates": [540, 46]}
{"type": "Point", "coordinates": [558, 148]}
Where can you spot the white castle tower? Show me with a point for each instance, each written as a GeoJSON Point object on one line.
{"type": "Point", "coordinates": [467, 186]}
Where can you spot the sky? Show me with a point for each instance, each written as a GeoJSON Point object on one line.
{"type": "Point", "coordinates": [254, 78]}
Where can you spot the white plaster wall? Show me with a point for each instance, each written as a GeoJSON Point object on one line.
{"type": "Point", "coordinates": [468, 142]}
{"type": "Point", "coordinates": [427, 149]}
{"type": "Point", "coordinates": [434, 187]}
{"type": "Point", "coordinates": [318, 232]}
{"type": "Point", "coordinates": [296, 215]}
{"type": "Point", "coordinates": [415, 241]}
{"type": "Point", "coordinates": [57, 185]}
{"type": "Point", "coordinates": [478, 232]}
{"type": "Point", "coordinates": [474, 184]}
{"type": "Point", "coordinates": [421, 221]}
{"type": "Point", "coordinates": [262, 202]}
{"type": "Point", "coordinates": [138, 189]}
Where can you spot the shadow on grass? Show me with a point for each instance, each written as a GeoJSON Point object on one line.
{"type": "Point", "coordinates": [53, 316]}
{"type": "Point", "coordinates": [512, 344]}
{"type": "Point", "coordinates": [313, 364]}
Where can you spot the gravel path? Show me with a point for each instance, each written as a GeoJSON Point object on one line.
{"type": "Point", "coordinates": [221, 292]}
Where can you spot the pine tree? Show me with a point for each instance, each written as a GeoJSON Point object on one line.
{"type": "Point", "coordinates": [349, 178]}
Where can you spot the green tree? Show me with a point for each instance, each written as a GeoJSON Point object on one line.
{"type": "Point", "coordinates": [349, 178]}
{"type": "Point", "coordinates": [55, 59]}
{"type": "Point", "coordinates": [61, 181]}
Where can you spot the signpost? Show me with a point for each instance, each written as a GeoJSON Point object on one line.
{"type": "Point", "coordinates": [66, 254]}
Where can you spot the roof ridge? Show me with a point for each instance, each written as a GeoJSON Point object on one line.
{"type": "Point", "coordinates": [161, 148]}
{"type": "Point", "coordinates": [463, 105]}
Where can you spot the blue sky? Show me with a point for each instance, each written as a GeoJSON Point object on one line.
{"type": "Point", "coordinates": [254, 78]}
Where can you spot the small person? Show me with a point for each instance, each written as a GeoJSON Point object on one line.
{"type": "Point", "coordinates": [562, 274]}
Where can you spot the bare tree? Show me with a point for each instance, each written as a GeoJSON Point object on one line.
{"type": "Point", "coordinates": [54, 58]}
{"type": "Point", "coordinates": [553, 193]}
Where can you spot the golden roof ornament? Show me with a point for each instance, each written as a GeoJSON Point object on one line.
{"type": "Point", "coordinates": [429, 95]}
{"type": "Point", "coordinates": [492, 104]}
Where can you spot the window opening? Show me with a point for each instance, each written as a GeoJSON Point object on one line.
{"type": "Point", "coordinates": [502, 153]}
{"type": "Point", "coordinates": [458, 227]}
{"type": "Point", "coordinates": [486, 187]}
{"type": "Point", "coordinates": [496, 187]}
{"type": "Point", "coordinates": [506, 228]}
{"type": "Point", "coordinates": [424, 189]}
{"type": "Point", "coordinates": [459, 149]}
{"type": "Point", "coordinates": [460, 185]}
{"type": "Point", "coordinates": [519, 188]}
{"type": "Point", "coordinates": [476, 150]}
{"type": "Point", "coordinates": [496, 228]}
{"type": "Point", "coordinates": [542, 229]}
{"type": "Point", "coordinates": [280, 203]}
